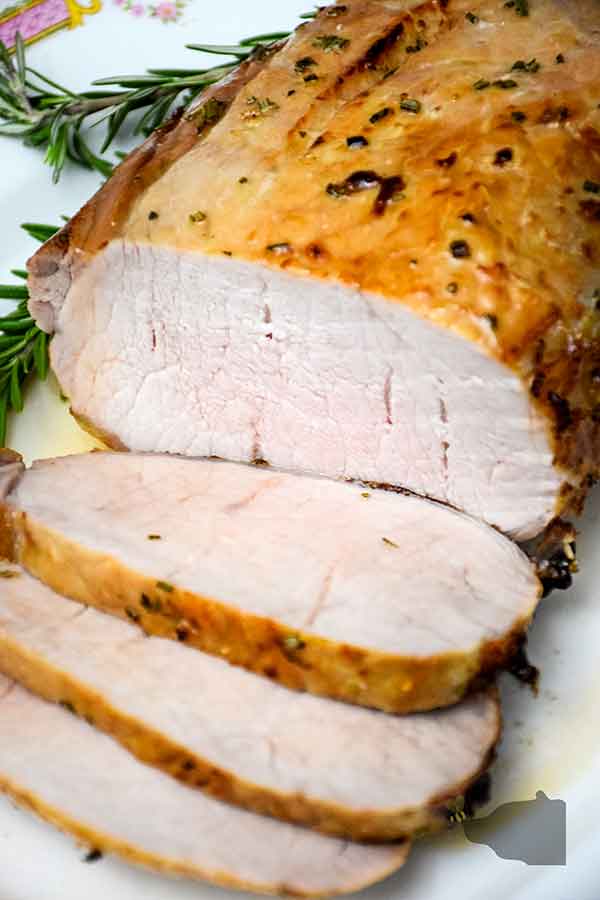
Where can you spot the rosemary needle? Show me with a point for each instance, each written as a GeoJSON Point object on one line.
{"type": "Point", "coordinates": [43, 113]}
{"type": "Point", "coordinates": [23, 347]}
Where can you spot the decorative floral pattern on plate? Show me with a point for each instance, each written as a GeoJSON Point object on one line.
{"type": "Point", "coordinates": [35, 19]}
{"type": "Point", "coordinates": [166, 10]}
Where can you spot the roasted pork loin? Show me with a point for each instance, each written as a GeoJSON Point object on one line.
{"type": "Point", "coordinates": [341, 769]}
{"type": "Point", "coordinates": [85, 783]}
{"type": "Point", "coordinates": [378, 598]}
{"type": "Point", "coordinates": [371, 254]}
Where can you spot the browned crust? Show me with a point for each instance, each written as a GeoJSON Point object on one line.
{"type": "Point", "coordinates": [555, 347]}
{"type": "Point", "coordinates": [105, 843]}
{"type": "Point", "coordinates": [298, 660]}
{"type": "Point", "coordinates": [157, 749]}
{"type": "Point", "coordinates": [103, 216]}
{"type": "Point", "coordinates": [11, 468]}
{"type": "Point", "coordinates": [105, 437]}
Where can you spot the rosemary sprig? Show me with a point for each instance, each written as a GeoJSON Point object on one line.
{"type": "Point", "coordinates": [23, 346]}
{"type": "Point", "coordinates": [44, 113]}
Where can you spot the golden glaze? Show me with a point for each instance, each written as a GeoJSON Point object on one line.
{"type": "Point", "coordinates": [260, 177]}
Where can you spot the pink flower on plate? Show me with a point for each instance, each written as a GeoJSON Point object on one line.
{"type": "Point", "coordinates": [166, 12]}
{"type": "Point", "coordinates": [119, 2]}
{"type": "Point", "coordinates": [138, 9]}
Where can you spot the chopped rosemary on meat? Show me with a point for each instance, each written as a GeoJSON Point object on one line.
{"type": "Point", "coordinates": [419, 44]}
{"type": "Point", "coordinates": [460, 249]}
{"type": "Point", "coordinates": [338, 10]}
{"type": "Point", "coordinates": [132, 614]}
{"type": "Point", "coordinates": [293, 642]}
{"type": "Point", "coordinates": [521, 66]}
{"type": "Point", "coordinates": [147, 603]}
{"type": "Point", "coordinates": [243, 180]}
{"type": "Point", "coordinates": [93, 856]}
{"type": "Point", "coordinates": [66, 704]}
{"type": "Point", "coordinates": [560, 59]}
{"type": "Point", "coordinates": [8, 573]}
{"type": "Point", "coordinates": [482, 84]}
{"type": "Point", "coordinates": [447, 161]}
{"type": "Point", "coordinates": [389, 543]}
{"type": "Point", "coordinates": [410, 105]}
{"type": "Point", "coordinates": [503, 156]}
{"type": "Point", "coordinates": [208, 114]}
{"type": "Point", "coordinates": [358, 181]}
{"type": "Point", "coordinates": [518, 116]}
{"type": "Point", "coordinates": [493, 320]}
{"type": "Point", "coordinates": [330, 42]}
{"type": "Point", "coordinates": [152, 215]}
{"type": "Point", "coordinates": [305, 63]}
{"type": "Point", "coordinates": [380, 114]}
{"type": "Point", "coordinates": [505, 84]}
{"type": "Point", "coordinates": [311, 77]}
{"type": "Point", "coordinates": [258, 107]}
{"type": "Point", "coordinates": [452, 287]}
{"type": "Point", "coordinates": [522, 7]}
{"type": "Point", "coordinates": [472, 18]}
{"type": "Point", "coordinates": [356, 142]}
{"type": "Point", "coordinates": [468, 217]}
{"type": "Point", "coordinates": [197, 216]}
{"type": "Point", "coordinates": [154, 537]}
{"type": "Point", "coordinates": [365, 494]}
{"type": "Point", "coordinates": [591, 187]}
{"type": "Point", "coordinates": [165, 586]}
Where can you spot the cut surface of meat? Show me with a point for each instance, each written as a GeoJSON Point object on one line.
{"type": "Point", "coordinates": [379, 598]}
{"type": "Point", "coordinates": [339, 768]}
{"type": "Point", "coordinates": [371, 255]}
{"type": "Point", "coordinates": [87, 785]}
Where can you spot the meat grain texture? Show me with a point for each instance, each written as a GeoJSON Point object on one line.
{"type": "Point", "coordinates": [376, 598]}
{"type": "Point", "coordinates": [371, 254]}
{"type": "Point", "coordinates": [87, 785]}
{"type": "Point", "coordinates": [343, 770]}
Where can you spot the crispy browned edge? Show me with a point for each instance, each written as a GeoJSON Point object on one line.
{"type": "Point", "coordinates": [105, 843]}
{"type": "Point", "coordinates": [296, 659]}
{"type": "Point", "coordinates": [102, 217]}
{"type": "Point", "coordinates": [156, 748]}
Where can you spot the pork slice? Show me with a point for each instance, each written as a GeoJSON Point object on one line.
{"type": "Point", "coordinates": [377, 259]}
{"type": "Point", "coordinates": [341, 769]}
{"type": "Point", "coordinates": [86, 784]}
{"type": "Point", "coordinates": [369, 596]}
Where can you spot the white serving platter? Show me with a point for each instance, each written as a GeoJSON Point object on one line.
{"type": "Point", "coordinates": [551, 742]}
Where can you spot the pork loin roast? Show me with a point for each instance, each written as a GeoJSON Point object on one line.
{"type": "Point", "coordinates": [371, 254]}
{"type": "Point", "coordinates": [378, 598]}
{"type": "Point", "coordinates": [85, 783]}
{"type": "Point", "coordinates": [341, 769]}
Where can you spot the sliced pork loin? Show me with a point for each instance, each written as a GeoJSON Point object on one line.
{"type": "Point", "coordinates": [87, 785]}
{"type": "Point", "coordinates": [341, 769]}
{"type": "Point", "coordinates": [369, 596]}
{"type": "Point", "coordinates": [359, 260]}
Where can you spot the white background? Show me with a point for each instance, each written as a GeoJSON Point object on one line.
{"type": "Point", "coordinates": [551, 742]}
